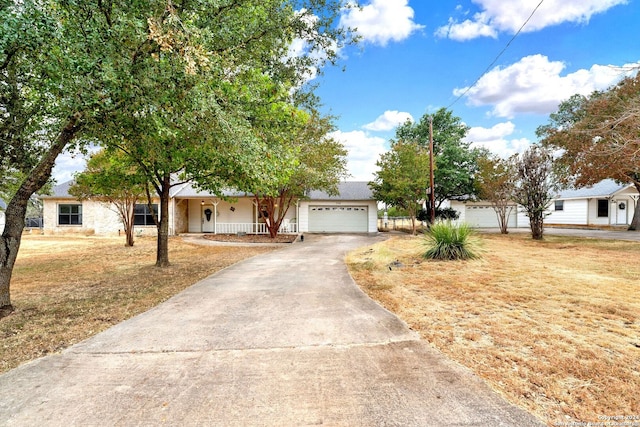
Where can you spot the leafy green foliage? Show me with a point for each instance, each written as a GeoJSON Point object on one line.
{"type": "Point", "coordinates": [299, 157]}
{"type": "Point", "coordinates": [446, 240]}
{"type": "Point", "coordinates": [401, 180]}
{"type": "Point", "coordinates": [455, 160]}
{"type": "Point", "coordinates": [110, 177]}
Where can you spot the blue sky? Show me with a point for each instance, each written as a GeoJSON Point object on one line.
{"type": "Point", "coordinates": [417, 56]}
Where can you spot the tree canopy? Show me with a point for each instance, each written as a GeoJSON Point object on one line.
{"type": "Point", "coordinates": [301, 157]}
{"type": "Point", "coordinates": [111, 178]}
{"type": "Point", "coordinates": [402, 178]}
{"type": "Point", "coordinates": [173, 84]}
{"type": "Point", "coordinates": [598, 137]}
{"type": "Point", "coordinates": [454, 160]}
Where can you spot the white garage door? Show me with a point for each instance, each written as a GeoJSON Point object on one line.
{"type": "Point", "coordinates": [485, 217]}
{"type": "Point", "coordinates": [338, 219]}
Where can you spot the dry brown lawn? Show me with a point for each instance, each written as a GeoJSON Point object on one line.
{"type": "Point", "coordinates": [66, 289]}
{"type": "Point", "coordinates": [554, 326]}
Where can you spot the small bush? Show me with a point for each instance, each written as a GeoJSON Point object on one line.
{"type": "Point", "coordinates": [448, 241]}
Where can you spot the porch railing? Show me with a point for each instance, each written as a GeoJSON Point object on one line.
{"type": "Point", "coordinates": [253, 228]}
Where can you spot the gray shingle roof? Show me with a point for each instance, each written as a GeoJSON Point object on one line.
{"type": "Point", "coordinates": [604, 188]}
{"type": "Point", "coordinates": [60, 191]}
{"type": "Point", "coordinates": [348, 190]}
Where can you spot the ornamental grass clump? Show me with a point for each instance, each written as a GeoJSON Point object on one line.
{"type": "Point", "coordinates": [446, 240]}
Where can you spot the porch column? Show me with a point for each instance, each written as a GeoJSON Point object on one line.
{"type": "Point", "coordinates": [215, 216]}
{"type": "Point", "coordinates": [611, 210]}
{"type": "Point", "coordinates": [255, 216]}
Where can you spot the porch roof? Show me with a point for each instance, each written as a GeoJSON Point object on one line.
{"type": "Point", "coordinates": [605, 188]}
{"type": "Point", "coordinates": [188, 191]}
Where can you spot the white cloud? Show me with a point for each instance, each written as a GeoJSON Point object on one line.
{"type": "Point", "coordinates": [468, 29]}
{"type": "Point", "coordinates": [535, 85]}
{"type": "Point", "coordinates": [70, 162]}
{"type": "Point", "coordinates": [66, 165]}
{"type": "Point", "coordinates": [381, 21]}
{"type": "Point", "coordinates": [508, 16]}
{"type": "Point", "coordinates": [364, 150]}
{"type": "Point", "coordinates": [388, 121]}
{"type": "Point", "coordinates": [495, 139]}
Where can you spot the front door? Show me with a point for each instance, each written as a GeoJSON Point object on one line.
{"type": "Point", "coordinates": [621, 207]}
{"type": "Point", "coordinates": [208, 219]}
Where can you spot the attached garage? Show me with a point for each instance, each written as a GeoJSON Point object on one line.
{"type": "Point", "coordinates": [351, 210]}
{"type": "Point", "coordinates": [338, 219]}
{"type": "Point", "coordinates": [483, 216]}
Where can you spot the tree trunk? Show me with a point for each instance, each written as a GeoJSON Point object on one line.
{"type": "Point", "coordinates": [17, 209]}
{"type": "Point", "coordinates": [129, 236]}
{"type": "Point", "coordinates": [502, 212]}
{"type": "Point", "coordinates": [536, 223]}
{"type": "Point", "coordinates": [162, 253]}
{"type": "Point", "coordinates": [129, 221]}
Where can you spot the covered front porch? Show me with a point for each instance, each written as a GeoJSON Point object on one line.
{"type": "Point", "coordinates": [234, 216]}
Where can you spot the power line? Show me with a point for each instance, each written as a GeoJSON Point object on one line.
{"type": "Point", "coordinates": [497, 57]}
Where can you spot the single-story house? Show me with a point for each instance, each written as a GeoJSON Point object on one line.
{"type": "Point", "coordinates": [353, 210]}
{"type": "Point", "coordinates": [606, 203]}
{"type": "Point", "coordinates": [603, 204]}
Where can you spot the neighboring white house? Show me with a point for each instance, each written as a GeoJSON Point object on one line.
{"type": "Point", "coordinates": [606, 203]}
{"type": "Point", "coordinates": [191, 211]}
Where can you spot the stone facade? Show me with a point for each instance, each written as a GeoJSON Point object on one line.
{"type": "Point", "coordinates": [97, 218]}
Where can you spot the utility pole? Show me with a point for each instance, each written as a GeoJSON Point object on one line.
{"type": "Point", "coordinates": [432, 200]}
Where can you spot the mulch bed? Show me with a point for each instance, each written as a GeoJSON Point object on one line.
{"type": "Point", "coordinates": [251, 238]}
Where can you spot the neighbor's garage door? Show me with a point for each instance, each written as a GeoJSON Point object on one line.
{"type": "Point", "coordinates": [338, 219]}
{"type": "Point", "coordinates": [485, 217]}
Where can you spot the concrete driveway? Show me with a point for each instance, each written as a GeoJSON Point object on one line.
{"type": "Point", "coordinates": [282, 339]}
